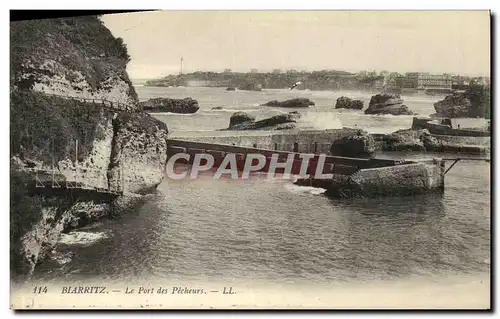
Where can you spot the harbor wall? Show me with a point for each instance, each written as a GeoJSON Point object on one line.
{"type": "Point", "coordinates": [409, 179]}
{"type": "Point", "coordinates": [311, 141]}
{"type": "Point", "coordinates": [333, 164]}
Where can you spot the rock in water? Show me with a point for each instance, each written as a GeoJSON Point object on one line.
{"type": "Point", "coordinates": [360, 145]}
{"type": "Point", "coordinates": [387, 104]}
{"type": "Point", "coordinates": [182, 106]}
{"type": "Point", "coordinates": [216, 108]}
{"type": "Point", "coordinates": [297, 102]}
{"type": "Point", "coordinates": [404, 140]}
{"type": "Point", "coordinates": [241, 121]}
{"type": "Point", "coordinates": [474, 102]}
{"type": "Point", "coordinates": [344, 102]}
{"type": "Point", "coordinates": [239, 118]}
{"type": "Point", "coordinates": [231, 89]}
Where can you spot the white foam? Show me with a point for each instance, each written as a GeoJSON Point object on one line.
{"type": "Point", "coordinates": [82, 238]}
{"type": "Point", "coordinates": [304, 189]}
{"type": "Point", "coordinates": [62, 258]}
{"type": "Point", "coordinates": [319, 121]}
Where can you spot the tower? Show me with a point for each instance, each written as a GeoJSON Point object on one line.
{"type": "Point", "coordinates": [182, 60]}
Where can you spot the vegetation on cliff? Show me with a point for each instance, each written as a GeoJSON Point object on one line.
{"type": "Point", "coordinates": [25, 210]}
{"type": "Point", "coordinates": [44, 128]}
{"type": "Point", "coordinates": [75, 44]}
{"type": "Point", "coordinates": [57, 56]}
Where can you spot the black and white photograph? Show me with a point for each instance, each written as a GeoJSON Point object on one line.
{"type": "Point", "coordinates": [258, 159]}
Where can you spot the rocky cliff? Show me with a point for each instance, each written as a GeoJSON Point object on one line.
{"type": "Point", "coordinates": [69, 83]}
{"type": "Point", "coordinates": [475, 102]}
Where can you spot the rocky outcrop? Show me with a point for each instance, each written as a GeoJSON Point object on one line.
{"type": "Point", "coordinates": [231, 89]}
{"type": "Point", "coordinates": [242, 121]}
{"type": "Point", "coordinates": [217, 108]}
{"type": "Point", "coordinates": [474, 102]}
{"type": "Point", "coordinates": [240, 118]}
{"type": "Point", "coordinates": [139, 153]}
{"type": "Point", "coordinates": [404, 140]}
{"type": "Point", "coordinates": [72, 59]}
{"type": "Point", "coordinates": [298, 102]}
{"type": "Point", "coordinates": [387, 104]}
{"type": "Point", "coordinates": [423, 141]}
{"type": "Point", "coordinates": [344, 102]}
{"type": "Point", "coordinates": [182, 106]}
{"type": "Point", "coordinates": [359, 145]}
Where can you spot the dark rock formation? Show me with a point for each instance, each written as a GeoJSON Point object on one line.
{"type": "Point", "coordinates": [297, 102]}
{"type": "Point", "coordinates": [216, 108]}
{"type": "Point", "coordinates": [231, 89]}
{"type": "Point", "coordinates": [240, 117]}
{"type": "Point", "coordinates": [403, 140]}
{"type": "Point", "coordinates": [182, 106]}
{"type": "Point", "coordinates": [242, 121]}
{"type": "Point", "coordinates": [474, 102]}
{"type": "Point", "coordinates": [387, 104]}
{"type": "Point", "coordinates": [360, 145]}
{"type": "Point", "coordinates": [344, 102]}
{"type": "Point", "coordinates": [423, 141]}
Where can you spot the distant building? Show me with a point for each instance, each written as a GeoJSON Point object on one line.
{"type": "Point", "coordinates": [227, 70]}
{"type": "Point", "coordinates": [254, 71]}
{"type": "Point", "coordinates": [480, 81]}
{"type": "Point", "coordinates": [384, 73]}
{"type": "Point", "coordinates": [394, 81]}
{"type": "Point", "coordinates": [362, 74]}
{"type": "Point", "coordinates": [410, 80]}
{"type": "Point", "coordinates": [434, 81]}
{"type": "Point", "coordinates": [381, 83]}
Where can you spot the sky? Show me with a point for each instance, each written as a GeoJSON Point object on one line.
{"type": "Point", "coordinates": [456, 42]}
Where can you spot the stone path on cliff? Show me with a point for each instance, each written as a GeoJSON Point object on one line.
{"type": "Point", "coordinates": [111, 105]}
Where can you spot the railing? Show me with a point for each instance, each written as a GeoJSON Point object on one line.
{"type": "Point", "coordinates": [45, 178]}
{"type": "Point", "coordinates": [112, 105]}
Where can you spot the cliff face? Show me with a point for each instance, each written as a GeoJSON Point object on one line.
{"type": "Point", "coordinates": [475, 102]}
{"type": "Point", "coordinates": [70, 57]}
{"type": "Point", "coordinates": [55, 63]}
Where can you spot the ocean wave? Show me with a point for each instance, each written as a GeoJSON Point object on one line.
{"type": "Point", "coordinates": [232, 110]}
{"type": "Point", "coordinates": [171, 114]}
{"type": "Point", "coordinates": [82, 238]}
{"type": "Point", "coordinates": [319, 121]}
{"type": "Point", "coordinates": [304, 189]}
{"type": "Point", "coordinates": [62, 258]}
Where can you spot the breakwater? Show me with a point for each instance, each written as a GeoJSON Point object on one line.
{"type": "Point", "coordinates": [348, 177]}
{"type": "Point", "coordinates": [310, 141]}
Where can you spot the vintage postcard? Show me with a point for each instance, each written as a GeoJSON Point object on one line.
{"type": "Point", "coordinates": [251, 160]}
